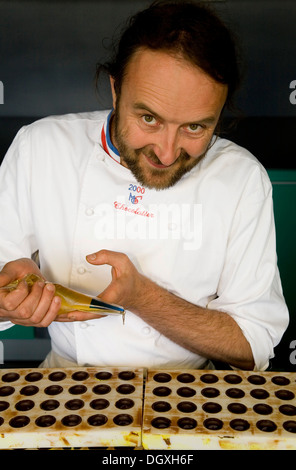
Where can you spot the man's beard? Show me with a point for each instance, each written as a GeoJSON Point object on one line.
{"type": "Point", "coordinates": [154, 178]}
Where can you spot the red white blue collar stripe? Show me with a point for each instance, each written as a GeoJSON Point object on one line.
{"type": "Point", "coordinates": [106, 140]}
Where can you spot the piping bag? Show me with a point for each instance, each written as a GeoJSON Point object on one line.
{"type": "Point", "coordinates": [71, 299]}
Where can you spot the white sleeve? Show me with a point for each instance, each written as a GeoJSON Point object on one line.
{"type": "Point", "coordinates": [17, 237]}
{"type": "Point", "coordinates": [250, 287]}
{"type": "Point", "coordinates": [16, 228]}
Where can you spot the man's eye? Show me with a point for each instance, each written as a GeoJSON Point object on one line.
{"type": "Point", "coordinates": [194, 127]}
{"type": "Point", "coordinates": [148, 119]}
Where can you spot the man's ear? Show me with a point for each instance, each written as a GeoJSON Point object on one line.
{"type": "Point", "coordinates": [112, 82]}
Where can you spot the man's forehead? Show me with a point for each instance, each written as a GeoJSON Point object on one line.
{"type": "Point", "coordinates": [160, 83]}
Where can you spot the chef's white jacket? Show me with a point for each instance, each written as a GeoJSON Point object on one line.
{"type": "Point", "coordinates": [209, 239]}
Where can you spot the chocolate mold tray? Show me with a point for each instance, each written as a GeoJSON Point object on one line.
{"type": "Point", "coordinates": [219, 410]}
{"type": "Point", "coordinates": [79, 407]}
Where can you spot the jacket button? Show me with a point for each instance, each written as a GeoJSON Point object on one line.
{"type": "Point", "coordinates": [146, 330]}
{"type": "Point", "coordinates": [89, 211]}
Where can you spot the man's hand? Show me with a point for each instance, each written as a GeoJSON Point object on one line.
{"type": "Point", "coordinates": [127, 283]}
{"type": "Point", "coordinates": [37, 306]}
{"type": "Point", "coordinates": [125, 288]}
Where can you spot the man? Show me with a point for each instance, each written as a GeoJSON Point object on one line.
{"type": "Point", "coordinates": [145, 207]}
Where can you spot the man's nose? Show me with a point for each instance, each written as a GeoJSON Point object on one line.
{"type": "Point", "coordinates": [167, 149]}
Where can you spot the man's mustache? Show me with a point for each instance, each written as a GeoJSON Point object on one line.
{"type": "Point", "coordinates": [148, 152]}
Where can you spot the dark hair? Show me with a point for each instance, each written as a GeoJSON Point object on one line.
{"type": "Point", "coordinates": [186, 28]}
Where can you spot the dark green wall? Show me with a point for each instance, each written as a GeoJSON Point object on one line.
{"type": "Point", "coordinates": [284, 194]}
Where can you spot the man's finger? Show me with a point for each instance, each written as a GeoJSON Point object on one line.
{"type": "Point", "coordinates": [107, 257]}
{"type": "Point", "coordinates": [10, 301]}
